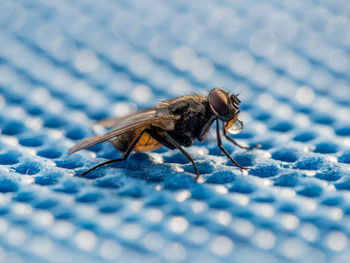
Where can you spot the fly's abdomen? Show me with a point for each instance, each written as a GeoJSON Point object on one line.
{"type": "Point", "coordinates": [145, 144]}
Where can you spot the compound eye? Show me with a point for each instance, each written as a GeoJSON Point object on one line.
{"type": "Point", "coordinates": [219, 102]}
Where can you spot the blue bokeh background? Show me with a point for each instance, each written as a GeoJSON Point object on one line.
{"type": "Point", "coordinates": [66, 64]}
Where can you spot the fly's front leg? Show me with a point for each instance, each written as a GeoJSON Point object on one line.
{"type": "Point", "coordinates": [203, 133]}
{"type": "Point", "coordinates": [222, 148]}
{"type": "Point", "coordinates": [224, 129]}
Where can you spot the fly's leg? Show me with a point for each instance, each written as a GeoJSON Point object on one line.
{"type": "Point", "coordinates": [222, 148]}
{"type": "Point", "coordinates": [126, 154]}
{"type": "Point", "coordinates": [236, 143]}
{"type": "Point", "coordinates": [178, 146]}
{"type": "Point", "coordinates": [165, 140]}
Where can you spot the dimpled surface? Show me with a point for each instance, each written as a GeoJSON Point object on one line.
{"type": "Point", "coordinates": [66, 64]}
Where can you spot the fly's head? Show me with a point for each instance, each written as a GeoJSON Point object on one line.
{"type": "Point", "coordinates": [224, 106]}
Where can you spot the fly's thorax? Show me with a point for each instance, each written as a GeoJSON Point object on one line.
{"type": "Point", "coordinates": [166, 124]}
{"type": "Point", "coordinates": [194, 113]}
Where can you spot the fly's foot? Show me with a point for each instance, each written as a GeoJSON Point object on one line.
{"type": "Point", "coordinates": [256, 146]}
{"type": "Point", "coordinates": [245, 170]}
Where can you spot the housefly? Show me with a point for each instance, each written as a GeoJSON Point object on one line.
{"type": "Point", "coordinates": [175, 124]}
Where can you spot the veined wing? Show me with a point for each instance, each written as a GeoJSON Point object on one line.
{"type": "Point", "coordinates": [159, 117]}
{"type": "Point", "coordinates": [110, 122]}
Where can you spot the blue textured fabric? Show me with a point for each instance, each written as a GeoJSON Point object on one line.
{"type": "Point", "coordinates": [66, 64]}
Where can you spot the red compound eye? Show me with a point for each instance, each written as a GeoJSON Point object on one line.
{"type": "Point", "coordinates": [219, 102]}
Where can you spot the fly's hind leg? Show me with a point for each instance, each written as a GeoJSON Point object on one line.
{"type": "Point", "coordinates": [126, 154]}
{"type": "Point", "coordinates": [171, 141]}
{"type": "Point", "coordinates": [166, 140]}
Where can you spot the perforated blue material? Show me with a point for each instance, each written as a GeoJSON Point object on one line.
{"type": "Point", "coordinates": [66, 64]}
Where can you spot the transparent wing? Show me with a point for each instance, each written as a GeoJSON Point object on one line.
{"type": "Point", "coordinates": [143, 114]}
{"type": "Point", "coordinates": [157, 117]}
